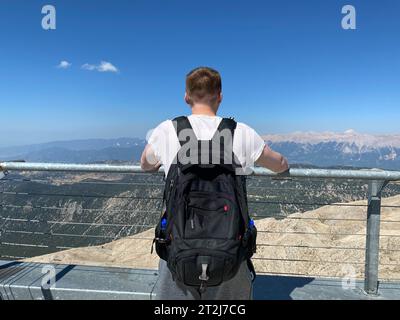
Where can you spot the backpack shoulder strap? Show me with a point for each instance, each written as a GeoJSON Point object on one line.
{"type": "Point", "coordinates": [226, 123]}
{"type": "Point", "coordinates": [223, 140]}
{"type": "Point", "coordinates": [182, 123]}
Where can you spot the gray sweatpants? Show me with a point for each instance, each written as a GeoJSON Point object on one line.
{"type": "Point", "coordinates": [238, 288]}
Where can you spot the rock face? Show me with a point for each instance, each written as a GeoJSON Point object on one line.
{"type": "Point", "coordinates": [328, 241]}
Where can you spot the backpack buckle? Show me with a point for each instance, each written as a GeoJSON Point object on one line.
{"type": "Point", "coordinates": [161, 240]}
{"type": "Point", "coordinates": [203, 276]}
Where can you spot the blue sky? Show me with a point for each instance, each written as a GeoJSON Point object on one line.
{"type": "Point", "coordinates": [286, 65]}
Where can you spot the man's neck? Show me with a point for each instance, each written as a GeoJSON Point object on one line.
{"type": "Point", "coordinates": [203, 109]}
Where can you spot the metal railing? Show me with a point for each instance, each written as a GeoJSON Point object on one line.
{"type": "Point", "coordinates": [45, 224]}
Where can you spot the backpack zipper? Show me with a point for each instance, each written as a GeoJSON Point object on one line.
{"type": "Point", "coordinates": [171, 185]}
{"type": "Point", "coordinates": [191, 214]}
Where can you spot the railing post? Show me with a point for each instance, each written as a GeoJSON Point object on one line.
{"type": "Point", "coordinates": [2, 175]}
{"type": "Point", "coordinates": [372, 243]}
{"type": "Point", "coordinates": [49, 237]}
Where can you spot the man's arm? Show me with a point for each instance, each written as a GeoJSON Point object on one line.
{"type": "Point", "coordinates": [272, 160]}
{"type": "Point", "coordinates": [148, 161]}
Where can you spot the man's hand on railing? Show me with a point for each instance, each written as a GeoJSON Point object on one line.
{"type": "Point", "coordinates": [149, 161]}
{"type": "Point", "coordinates": [285, 175]}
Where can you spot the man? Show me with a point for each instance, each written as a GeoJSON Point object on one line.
{"type": "Point", "coordinates": [204, 95]}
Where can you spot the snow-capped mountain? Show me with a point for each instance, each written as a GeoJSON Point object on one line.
{"type": "Point", "coordinates": [348, 148]}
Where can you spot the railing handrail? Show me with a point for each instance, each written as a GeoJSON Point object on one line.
{"type": "Point", "coordinates": [362, 174]}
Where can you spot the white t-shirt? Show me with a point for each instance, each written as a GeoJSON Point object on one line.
{"type": "Point", "coordinates": [247, 144]}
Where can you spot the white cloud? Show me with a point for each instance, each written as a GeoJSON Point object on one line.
{"type": "Point", "coordinates": [87, 66]}
{"type": "Point", "coordinates": [107, 67]}
{"type": "Point", "coordinates": [64, 64]}
{"type": "Point", "coordinates": [104, 66]}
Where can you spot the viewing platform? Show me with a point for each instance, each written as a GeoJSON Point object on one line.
{"type": "Point", "coordinates": [323, 233]}
{"type": "Point", "coordinates": [23, 281]}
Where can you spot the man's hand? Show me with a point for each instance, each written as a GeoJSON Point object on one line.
{"type": "Point", "coordinates": [148, 160]}
{"type": "Point", "coordinates": [285, 175]}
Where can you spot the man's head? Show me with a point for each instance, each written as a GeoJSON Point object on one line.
{"type": "Point", "coordinates": [203, 86]}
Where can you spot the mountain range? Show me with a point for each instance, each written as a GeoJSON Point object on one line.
{"type": "Point", "coordinates": [348, 148]}
{"type": "Point", "coordinates": [322, 149]}
{"type": "Point", "coordinates": [77, 151]}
